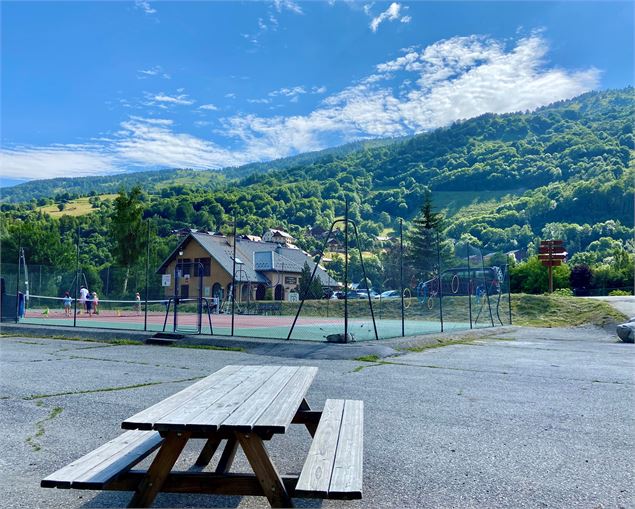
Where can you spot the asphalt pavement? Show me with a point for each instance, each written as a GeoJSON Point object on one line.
{"type": "Point", "coordinates": [517, 418]}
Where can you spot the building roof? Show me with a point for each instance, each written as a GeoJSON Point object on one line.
{"type": "Point", "coordinates": [285, 259]}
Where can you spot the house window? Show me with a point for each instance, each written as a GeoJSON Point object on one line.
{"type": "Point", "coordinates": [204, 267]}
{"type": "Point", "coordinates": [183, 265]}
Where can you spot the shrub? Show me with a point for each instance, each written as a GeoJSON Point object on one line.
{"type": "Point", "coordinates": [564, 292]}
{"type": "Point", "coordinates": [616, 293]}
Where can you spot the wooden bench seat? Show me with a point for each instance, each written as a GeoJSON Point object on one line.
{"type": "Point", "coordinates": [101, 466]}
{"type": "Point", "coordinates": [333, 468]}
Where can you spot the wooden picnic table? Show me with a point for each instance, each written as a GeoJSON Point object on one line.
{"type": "Point", "coordinates": [238, 406]}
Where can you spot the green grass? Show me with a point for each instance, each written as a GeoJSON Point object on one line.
{"type": "Point", "coordinates": [107, 389]}
{"type": "Point", "coordinates": [440, 343]}
{"type": "Point", "coordinates": [39, 426]}
{"type": "Point", "coordinates": [561, 311]}
{"type": "Point", "coordinates": [75, 208]}
{"type": "Point", "coordinates": [368, 358]}
{"type": "Point", "coordinates": [209, 347]}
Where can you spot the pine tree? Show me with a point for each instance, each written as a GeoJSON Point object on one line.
{"type": "Point", "coordinates": [421, 251]}
{"type": "Point", "coordinates": [306, 290]}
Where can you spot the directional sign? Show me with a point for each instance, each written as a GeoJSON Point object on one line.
{"type": "Point", "coordinates": [551, 254]}
{"type": "Point", "coordinates": [552, 250]}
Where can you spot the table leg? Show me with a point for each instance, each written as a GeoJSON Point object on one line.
{"type": "Point", "coordinates": [160, 468]}
{"type": "Point", "coordinates": [310, 426]}
{"type": "Point", "coordinates": [208, 452]}
{"type": "Point", "coordinates": [265, 470]}
{"type": "Point", "coordinates": [227, 458]}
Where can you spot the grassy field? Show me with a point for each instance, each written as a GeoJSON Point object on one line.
{"type": "Point", "coordinates": [528, 310]}
{"type": "Point", "coordinates": [78, 207]}
{"type": "Point", "coordinates": [558, 311]}
{"type": "Point", "coordinates": [452, 201]}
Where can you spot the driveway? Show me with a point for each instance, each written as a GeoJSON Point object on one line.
{"type": "Point", "coordinates": [522, 418]}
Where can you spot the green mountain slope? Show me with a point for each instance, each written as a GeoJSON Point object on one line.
{"type": "Point", "coordinates": [564, 170]}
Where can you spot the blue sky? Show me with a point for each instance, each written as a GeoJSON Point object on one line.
{"type": "Point", "coordinates": [105, 87]}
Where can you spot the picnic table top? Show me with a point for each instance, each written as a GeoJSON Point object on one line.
{"type": "Point", "coordinates": [236, 398]}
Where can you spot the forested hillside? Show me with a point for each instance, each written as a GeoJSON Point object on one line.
{"type": "Point", "coordinates": [503, 181]}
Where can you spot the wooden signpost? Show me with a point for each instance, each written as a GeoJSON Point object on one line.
{"type": "Point", "coordinates": [551, 254]}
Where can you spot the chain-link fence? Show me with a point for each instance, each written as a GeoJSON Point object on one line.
{"type": "Point", "coordinates": [238, 285]}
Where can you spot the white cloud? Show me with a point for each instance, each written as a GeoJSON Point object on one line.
{"type": "Point", "coordinates": [144, 5]}
{"type": "Point", "coordinates": [55, 161]}
{"type": "Point", "coordinates": [210, 107]}
{"type": "Point", "coordinates": [287, 4]}
{"type": "Point", "coordinates": [391, 14]}
{"type": "Point", "coordinates": [425, 88]}
{"type": "Point", "coordinates": [288, 92]}
{"type": "Point", "coordinates": [156, 71]}
{"type": "Point", "coordinates": [175, 99]}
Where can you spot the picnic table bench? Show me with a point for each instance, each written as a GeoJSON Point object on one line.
{"type": "Point", "coordinates": [240, 406]}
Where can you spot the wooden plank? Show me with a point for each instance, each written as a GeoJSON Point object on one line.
{"type": "Point", "coordinates": [208, 451]}
{"type": "Point", "coordinates": [213, 416]}
{"type": "Point", "coordinates": [202, 482]}
{"type": "Point", "coordinates": [246, 415]}
{"type": "Point", "coordinates": [159, 470]}
{"type": "Point", "coordinates": [227, 458]}
{"type": "Point", "coordinates": [178, 418]}
{"type": "Point", "coordinates": [315, 477]}
{"type": "Point", "coordinates": [278, 416]}
{"type": "Point", "coordinates": [146, 418]}
{"type": "Point", "coordinates": [102, 457]}
{"type": "Point", "coordinates": [270, 480]}
{"type": "Point", "coordinates": [348, 466]}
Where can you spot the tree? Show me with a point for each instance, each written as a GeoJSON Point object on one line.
{"type": "Point", "coordinates": [580, 279]}
{"type": "Point", "coordinates": [127, 231]}
{"type": "Point", "coordinates": [309, 291]}
{"type": "Point", "coordinates": [421, 249]}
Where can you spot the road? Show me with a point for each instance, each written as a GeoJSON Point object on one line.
{"type": "Point", "coordinates": [520, 418]}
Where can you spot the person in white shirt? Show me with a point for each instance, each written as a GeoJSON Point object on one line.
{"type": "Point", "coordinates": [83, 292]}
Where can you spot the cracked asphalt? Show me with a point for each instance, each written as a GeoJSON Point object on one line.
{"type": "Point", "coordinates": [522, 418]}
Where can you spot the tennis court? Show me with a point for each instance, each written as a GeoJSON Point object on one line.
{"type": "Point", "coordinates": [132, 315]}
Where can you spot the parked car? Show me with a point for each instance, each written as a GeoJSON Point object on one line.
{"type": "Point", "coordinates": [390, 294]}
{"type": "Point", "coordinates": [363, 294]}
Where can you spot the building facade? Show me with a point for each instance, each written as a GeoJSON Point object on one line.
{"type": "Point", "coordinates": [202, 266]}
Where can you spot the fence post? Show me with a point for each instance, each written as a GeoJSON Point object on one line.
{"type": "Point", "coordinates": [145, 314]}
{"type": "Point", "coordinates": [234, 275]}
{"type": "Point", "coordinates": [489, 305]}
{"type": "Point", "coordinates": [76, 279]}
{"type": "Point", "coordinates": [346, 271]}
{"type": "Point", "coordinates": [17, 280]}
{"type": "Point", "coordinates": [469, 283]}
{"type": "Point", "coordinates": [439, 276]}
{"type": "Point", "coordinates": [509, 292]}
{"type": "Point", "coordinates": [403, 324]}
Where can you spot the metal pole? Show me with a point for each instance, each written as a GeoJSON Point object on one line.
{"type": "Point", "coordinates": [489, 306]}
{"type": "Point", "coordinates": [177, 281]}
{"type": "Point", "coordinates": [361, 262]}
{"type": "Point", "coordinates": [509, 292]}
{"type": "Point", "coordinates": [17, 283]}
{"type": "Point", "coordinates": [403, 323]}
{"type": "Point", "coordinates": [145, 314]}
{"type": "Point", "coordinates": [469, 283]}
{"type": "Point", "coordinates": [76, 280]}
{"type": "Point", "coordinates": [326, 239]}
{"type": "Point", "coordinates": [346, 271]}
{"type": "Point", "coordinates": [440, 281]}
{"type": "Point", "coordinates": [234, 276]}
{"type": "Point", "coordinates": [550, 248]}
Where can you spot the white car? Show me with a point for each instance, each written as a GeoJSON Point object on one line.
{"type": "Point", "coordinates": [390, 294]}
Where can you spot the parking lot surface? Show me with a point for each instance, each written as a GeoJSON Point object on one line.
{"type": "Point", "coordinates": [519, 418]}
